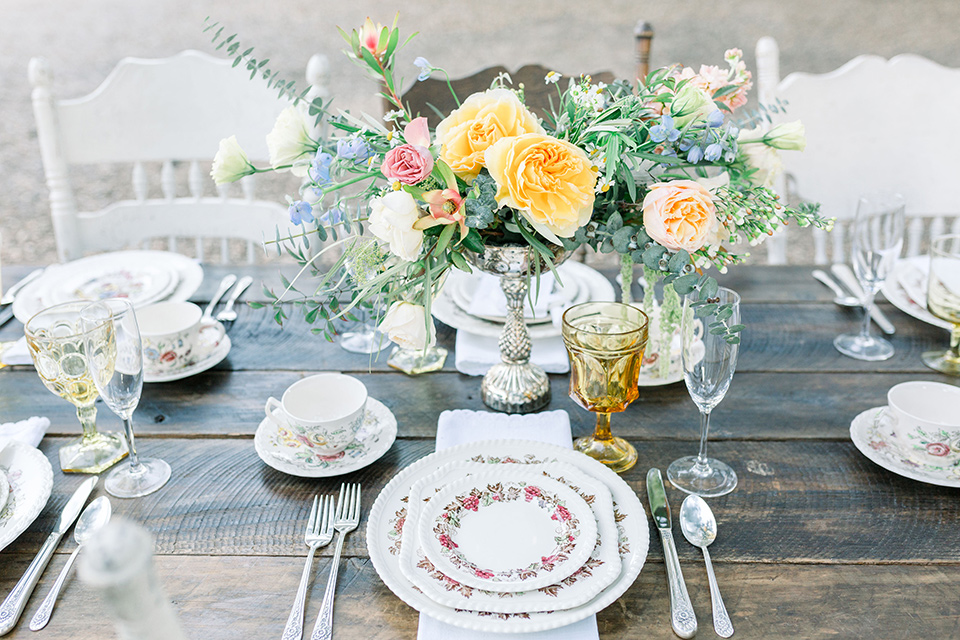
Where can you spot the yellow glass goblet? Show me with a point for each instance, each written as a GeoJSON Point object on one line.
{"type": "Point", "coordinates": [943, 300]}
{"type": "Point", "coordinates": [605, 342]}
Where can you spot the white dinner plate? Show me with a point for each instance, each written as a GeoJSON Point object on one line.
{"type": "Point", "coordinates": [906, 289]}
{"type": "Point", "coordinates": [463, 287]}
{"type": "Point", "coordinates": [386, 523]}
{"type": "Point", "coordinates": [59, 283]}
{"type": "Point", "coordinates": [141, 285]}
{"type": "Point", "coordinates": [31, 479]}
{"type": "Point", "coordinates": [598, 572]}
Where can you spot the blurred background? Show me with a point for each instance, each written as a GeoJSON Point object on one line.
{"type": "Point", "coordinates": [84, 40]}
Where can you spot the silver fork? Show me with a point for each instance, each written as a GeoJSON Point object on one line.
{"type": "Point", "coordinates": [228, 314]}
{"type": "Point", "coordinates": [348, 518]}
{"type": "Point", "coordinates": [319, 533]}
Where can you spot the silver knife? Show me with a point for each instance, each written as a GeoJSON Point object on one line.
{"type": "Point", "coordinates": [682, 618]}
{"type": "Point", "coordinates": [845, 275]}
{"type": "Point", "coordinates": [16, 601]}
{"type": "Point", "coordinates": [10, 294]}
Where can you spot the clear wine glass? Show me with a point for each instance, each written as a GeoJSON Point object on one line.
{"type": "Point", "coordinates": [709, 361]}
{"type": "Point", "coordinates": [943, 300]}
{"type": "Point", "coordinates": [115, 360]}
{"type": "Point", "coordinates": [877, 240]}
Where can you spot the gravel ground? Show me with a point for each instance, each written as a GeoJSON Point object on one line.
{"type": "Point", "coordinates": [84, 40]}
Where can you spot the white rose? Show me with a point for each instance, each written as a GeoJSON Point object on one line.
{"type": "Point", "coordinates": [231, 163]}
{"type": "Point", "coordinates": [765, 159]}
{"type": "Point", "coordinates": [391, 220]}
{"type": "Point", "coordinates": [290, 141]}
{"type": "Point", "coordinates": [405, 323]}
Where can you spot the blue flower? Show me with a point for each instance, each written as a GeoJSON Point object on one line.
{"type": "Point", "coordinates": [664, 131]}
{"type": "Point", "coordinates": [730, 155]}
{"type": "Point", "coordinates": [686, 143]}
{"type": "Point", "coordinates": [320, 168]}
{"type": "Point", "coordinates": [425, 68]}
{"type": "Point", "coordinates": [300, 211]}
{"type": "Point", "coordinates": [355, 149]}
{"type": "Point", "coordinates": [733, 131]}
{"type": "Point", "coordinates": [332, 216]}
{"type": "Point", "coordinates": [715, 119]}
{"type": "Point", "coordinates": [713, 152]}
{"type": "Point", "coordinates": [695, 155]}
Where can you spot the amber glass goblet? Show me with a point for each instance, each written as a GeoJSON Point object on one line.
{"type": "Point", "coordinates": [605, 342]}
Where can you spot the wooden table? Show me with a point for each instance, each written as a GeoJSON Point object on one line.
{"type": "Point", "coordinates": [817, 541]}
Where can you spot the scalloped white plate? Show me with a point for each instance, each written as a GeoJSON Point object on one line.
{"type": "Point", "coordinates": [31, 479]}
{"type": "Point", "coordinates": [910, 274]}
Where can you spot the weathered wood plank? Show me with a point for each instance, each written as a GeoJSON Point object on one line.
{"type": "Point", "coordinates": [758, 406]}
{"type": "Point", "coordinates": [225, 597]}
{"type": "Point", "coordinates": [798, 501]}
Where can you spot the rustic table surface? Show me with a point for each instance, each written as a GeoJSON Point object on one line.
{"type": "Point", "coordinates": [817, 541]}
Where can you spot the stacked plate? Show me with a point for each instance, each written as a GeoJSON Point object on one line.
{"type": "Point", "coordinates": [906, 289]}
{"type": "Point", "coordinates": [474, 302]}
{"type": "Point", "coordinates": [143, 277]}
{"type": "Point", "coordinates": [508, 536]}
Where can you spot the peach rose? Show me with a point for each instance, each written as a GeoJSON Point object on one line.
{"type": "Point", "coordinates": [679, 214]}
{"type": "Point", "coordinates": [482, 119]}
{"type": "Point", "coordinates": [550, 181]}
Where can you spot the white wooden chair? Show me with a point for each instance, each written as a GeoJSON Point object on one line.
{"type": "Point", "coordinates": [163, 111]}
{"type": "Point", "coordinates": [873, 124]}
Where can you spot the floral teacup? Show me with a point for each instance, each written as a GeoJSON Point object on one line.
{"type": "Point", "coordinates": [323, 412]}
{"type": "Point", "coordinates": [175, 336]}
{"type": "Point", "coordinates": [926, 420]}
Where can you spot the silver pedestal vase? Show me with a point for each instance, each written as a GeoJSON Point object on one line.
{"type": "Point", "coordinates": [515, 385]}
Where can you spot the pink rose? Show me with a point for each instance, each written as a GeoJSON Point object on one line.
{"type": "Point", "coordinates": [938, 449]}
{"type": "Point", "coordinates": [561, 513]}
{"type": "Point", "coordinates": [679, 214]}
{"type": "Point", "coordinates": [408, 163]}
{"type": "Point", "coordinates": [531, 492]}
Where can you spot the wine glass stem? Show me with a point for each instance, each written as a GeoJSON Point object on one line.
{"type": "Point", "coordinates": [704, 431]}
{"type": "Point", "coordinates": [134, 458]}
{"type": "Point", "coordinates": [88, 420]}
{"type": "Point", "coordinates": [865, 323]}
{"type": "Point", "coordinates": [954, 352]}
{"type": "Point", "coordinates": [602, 431]}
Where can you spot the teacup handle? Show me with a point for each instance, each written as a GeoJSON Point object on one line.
{"type": "Point", "coordinates": [206, 325]}
{"type": "Point", "coordinates": [270, 408]}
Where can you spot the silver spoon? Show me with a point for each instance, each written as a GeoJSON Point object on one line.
{"type": "Point", "coordinates": [228, 314]}
{"type": "Point", "coordinates": [91, 520]}
{"type": "Point", "coordinates": [841, 297]}
{"type": "Point", "coordinates": [700, 529]}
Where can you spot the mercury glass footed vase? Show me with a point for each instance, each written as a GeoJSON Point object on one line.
{"type": "Point", "coordinates": [515, 385]}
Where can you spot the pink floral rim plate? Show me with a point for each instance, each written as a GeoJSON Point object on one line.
{"type": "Point", "coordinates": [281, 449]}
{"type": "Point", "coordinates": [393, 539]}
{"type": "Point", "coordinates": [508, 530]}
{"type": "Point", "coordinates": [929, 457]}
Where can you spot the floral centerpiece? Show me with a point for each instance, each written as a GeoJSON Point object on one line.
{"type": "Point", "coordinates": [657, 171]}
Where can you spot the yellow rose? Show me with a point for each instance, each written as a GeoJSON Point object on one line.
{"type": "Point", "coordinates": [679, 214]}
{"type": "Point", "coordinates": [481, 120]}
{"type": "Point", "coordinates": [549, 181]}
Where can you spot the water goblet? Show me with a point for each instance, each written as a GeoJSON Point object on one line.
{"type": "Point", "coordinates": [709, 360]}
{"type": "Point", "coordinates": [943, 300]}
{"type": "Point", "coordinates": [115, 359]}
{"type": "Point", "coordinates": [877, 240]}
{"type": "Point", "coordinates": [55, 339]}
{"type": "Point", "coordinates": [605, 343]}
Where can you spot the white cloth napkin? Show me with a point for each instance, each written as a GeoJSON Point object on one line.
{"type": "Point", "coordinates": [488, 298]}
{"type": "Point", "coordinates": [476, 354]}
{"type": "Point", "coordinates": [460, 426]}
{"type": "Point", "coordinates": [16, 353]}
{"type": "Point", "coordinates": [29, 431]}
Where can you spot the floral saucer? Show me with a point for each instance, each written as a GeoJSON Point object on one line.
{"type": "Point", "coordinates": [280, 449]}
{"type": "Point", "coordinates": [872, 433]}
{"type": "Point", "coordinates": [209, 361]}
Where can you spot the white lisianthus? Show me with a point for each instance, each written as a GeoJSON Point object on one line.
{"type": "Point", "coordinates": [405, 323]}
{"type": "Point", "coordinates": [789, 136]}
{"type": "Point", "coordinates": [691, 104]}
{"type": "Point", "coordinates": [231, 162]}
{"type": "Point", "coordinates": [765, 159]}
{"type": "Point", "coordinates": [290, 141]}
{"type": "Point", "coordinates": [391, 220]}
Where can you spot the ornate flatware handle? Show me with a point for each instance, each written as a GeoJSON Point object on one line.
{"type": "Point", "coordinates": [42, 616]}
{"type": "Point", "coordinates": [721, 619]}
{"type": "Point", "coordinates": [324, 627]}
{"type": "Point", "coordinates": [16, 601]}
{"type": "Point", "coordinates": [682, 617]}
{"type": "Point", "coordinates": [294, 628]}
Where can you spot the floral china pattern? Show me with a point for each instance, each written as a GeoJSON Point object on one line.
{"type": "Point", "coordinates": [878, 437]}
{"type": "Point", "coordinates": [447, 525]}
{"type": "Point", "coordinates": [13, 479]}
{"type": "Point", "coordinates": [119, 284]}
{"type": "Point", "coordinates": [300, 447]}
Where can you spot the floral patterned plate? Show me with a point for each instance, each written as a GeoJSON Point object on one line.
{"type": "Point", "coordinates": [210, 360]}
{"type": "Point", "coordinates": [932, 462]}
{"type": "Point", "coordinates": [30, 478]}
{"type": "Point", "coordinates": [597, 573]}
{"type": "Point", "coordinates": [141, 285]}
{"type": "Point", "coordinates": [906, 289]}
{"type": "Point", "coordinates": [4, 490]}
{"type": "Point", "coordinates": [508, 530]}
{"type": "Point", "coordinates": [281, 449]}
{"type": "Point", "coordinates": [386, 523]}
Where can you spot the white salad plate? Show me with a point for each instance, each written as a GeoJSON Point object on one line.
{"type": "Point", "coordinates": [906, 289]}
{"type": "Point", "coordinates": [30, 479]}
{"type": "Point", "coordinates": [872, 433]}
{"type": "Point", "coordinates": [212, 359]}
{"type": "Point", "coordinates": [507, 530]}
{"type": "Point", "coordinates": [464, 286]}
{"type": "Point", "coordinates": [132, 274]}
{"type": "Point", "coordinates": [598, 572]}
{"type": "Point", "coordinates": [594, 287]}
{"type": "Point", "coordinates": [387, 522]}
{"type": "Point", "coordinates": [4, 490]}
{"type": "Point", "coordinates": [281, 449]}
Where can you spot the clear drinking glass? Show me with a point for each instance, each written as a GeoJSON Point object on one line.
{"type": "Point", "coordinates": [55, 338]}
{"type": "Point", "coordinates": [115, 359]}
{"type": "Point", "coordinates": [709, 361]}
{"type": "Point", "coordinates": [605, 342]}
{"type": "Point", "coordinates": [943, 300]}
{"type": "Point", "coordinates": [877, 240]}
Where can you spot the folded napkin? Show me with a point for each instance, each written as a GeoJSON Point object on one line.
{"type": "Point", "coordinates": [16, 353]}
{"type": "Point", "coordinates": [488, 298]}
{"type": "Point", "coordinates": [29, 431]}
{"type": "Point", "coordinates": [460, 426]}
{"type": "Point", "coordinates": [476, 354]}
